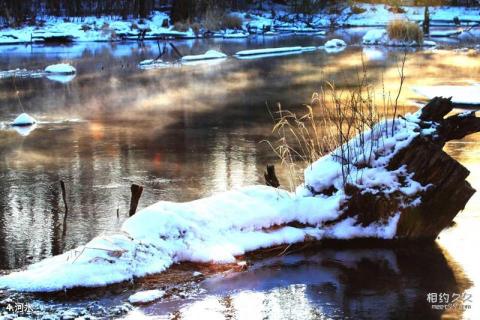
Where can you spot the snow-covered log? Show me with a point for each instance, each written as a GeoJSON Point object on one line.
{"type": "Point", "coordinates": [392, 182]}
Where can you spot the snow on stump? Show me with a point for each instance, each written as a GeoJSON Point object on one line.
{"type": "Point", "coordinates": [61, 68]}
{"type": "Point", "coordinates": [23, 120]}
{"type": "Point", "coordinates": [144, 297]}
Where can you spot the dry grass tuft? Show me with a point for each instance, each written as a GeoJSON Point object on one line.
{"type": "Point", "coordinates": [333, 119]}
{"type": "Point", "coordinates": [403, 30]}
{"type": "Point", "coordinates": [231, 21]}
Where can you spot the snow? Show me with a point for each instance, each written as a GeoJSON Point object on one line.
{"type": "Point", "coordinates": [153, 64]}
{"type": "Point", "coordinates": [375, 36]}
{"type": "Point", "coordinates": [210, 54]}
{"type": "Point", "coordinates": [268, 51]}
{"type": "Point", "coordinates": [444, 33]}
{"type": "Point", "coordinates": [146, 296]}
{"type": "Point", "coordinates": [219, 228]}
{"type": "Point", "coordinates": [236, 35]}
{"type": "Point", "coordinates": [272, 52]}
{"type": "Point", "coordinates": [469, 95]}
{"type": "Point", "coordinates": [24, 120]}
{"type": "Point", "coordinates": [111, 28]}
{"type": "Point", "coordinates": [335, 43]}
{"type": "Point", "coordinates": [380, 37]}
{"type": "Point", "coordinates": [61, 68]}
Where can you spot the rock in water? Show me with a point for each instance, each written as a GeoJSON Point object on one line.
{"type": "Point", "coordinates": [23, 120]}
{"type": "Point", "coordinates": [61, 68]}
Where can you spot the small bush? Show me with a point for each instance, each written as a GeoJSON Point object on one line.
{"type": "Point", "coordinates": [212, 19]}
{"type": "Point", "coordinates": [134, 26]}
{"type": "Point", "coordinates": [105, 27]}
{"type": "Point", "coordinates": [403, 30]}
{"type": "Point", "coordinates": [231, 21]}
{"type": "Point", "coordinates": [85, 27]}
{"type": "Point", "coordinates": [357, 10]}
{"type": "Point", "coordinates": [196, 27]}
{"type": "Point", "coordinates": [181, 26]}
{"type": "Point", "coordinates": [396, 9]}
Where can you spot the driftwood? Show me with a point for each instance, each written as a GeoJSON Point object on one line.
{"type": "Point", "coordinates": [271, 177]}
{"type": "Point", "coordinates": [136, 194]}
{"type": "Point", "coordinates": [64, 195]}
{"type": "Point", "coordinates": [448, 191]}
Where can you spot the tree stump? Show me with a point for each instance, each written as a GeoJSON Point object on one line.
{"type": "Point", "coordinates": [447, 190]}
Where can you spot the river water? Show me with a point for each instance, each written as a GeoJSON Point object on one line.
{"type": "Point", "coordinates": [186, 132]}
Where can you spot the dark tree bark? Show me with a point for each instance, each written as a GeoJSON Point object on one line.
{"type": "Point", "coordinates": [448, 191]}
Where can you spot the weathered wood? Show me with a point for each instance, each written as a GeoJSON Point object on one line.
{"type": "Point", "coordinates": [270, 176]}
{"type": "Point", "coordinates": [136, 194]}
{"type": "Point", "coordinates": [447, 190]}
{"type": "Point", "coordinates": [64, 195]}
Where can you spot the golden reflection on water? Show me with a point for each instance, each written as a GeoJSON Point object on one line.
{"type": "Point", "coordinates": [461, 241]}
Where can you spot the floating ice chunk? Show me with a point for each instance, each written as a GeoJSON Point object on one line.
{"type": "Point", "coordinates": [209, 55]}
{"type": "Point", "coordinates": [335, 43]}
{"type": "Point", "coordinates": [268, 51]}
{"type": "Point", "coordinates": [23, 120]}
{"type": "Point", "coordinates": [61, 68]}
{"type": "Point", "coordinates": [146, 296]}
{"type": "Point", "coordinates": [429, 43]}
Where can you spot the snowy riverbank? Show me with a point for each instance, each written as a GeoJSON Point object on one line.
{"type": "Point", "coordinates": [268, 22]}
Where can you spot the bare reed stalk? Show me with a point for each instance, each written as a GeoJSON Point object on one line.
{"type": "Point", "coordinates": [330, 123]}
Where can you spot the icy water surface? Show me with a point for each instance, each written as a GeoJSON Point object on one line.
{"type": "Point", "coordinates": [188, 131]}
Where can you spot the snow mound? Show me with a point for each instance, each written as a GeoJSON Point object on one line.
{"type": "Point", "coordinates": [335, 43]}
{"type": "Point", "coordinates": [375, 36]}
{"type": "Point", "coordinates": [61, 68]}
{"type": "Point", "coordinates": [146, 296]}
{"type": "Point", "coordinates": [380, 37]}
{"type": "Point", "coordinates": [24, 120]}
{"type": "Point", "coordinates": [210, 54]}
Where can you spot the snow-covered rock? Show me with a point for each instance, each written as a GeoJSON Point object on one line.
{"type": "Point", "coordinates": [335, 43]}
{"type": "Point", "coordinates": [146, 296]}
{"type": "Point", "coordinates": [61, 68]}
{"type": "Point", "coordinates": [209, 55]}
{"type": "Point", "coordinates": [23, 120]}
{"type": "Point", "coordinates": [375, 36]}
